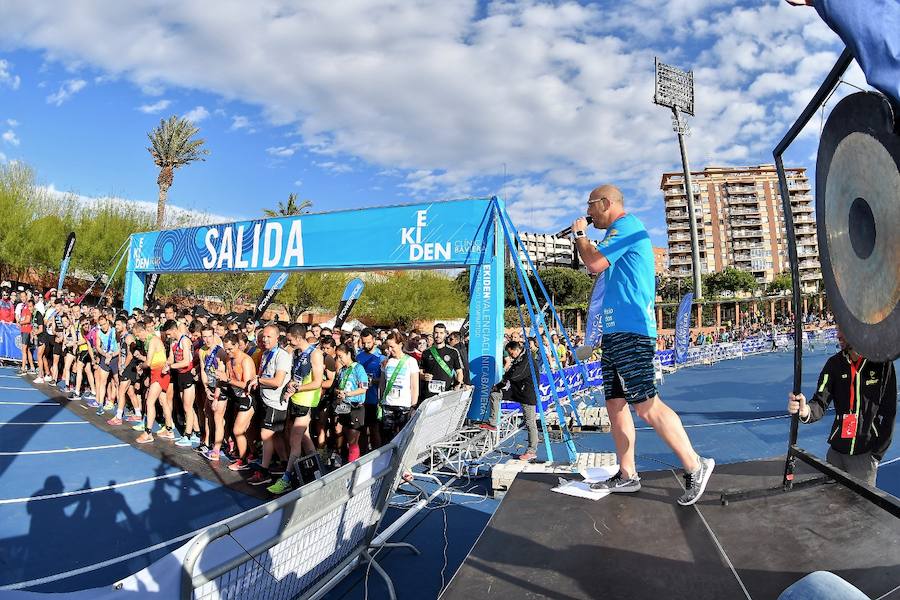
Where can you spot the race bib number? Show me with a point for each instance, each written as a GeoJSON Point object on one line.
{"type": "Point", "coordinates": [436, 387]}
{"type": "Point", "coordinates": [848, 427]}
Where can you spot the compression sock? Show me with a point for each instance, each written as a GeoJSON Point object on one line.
{"type": "Point", "coordinates": [352, 452]}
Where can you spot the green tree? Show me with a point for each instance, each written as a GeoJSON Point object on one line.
{"type": "Point", "coordinates": [307, 290]}
{"type": "Point", "coordinates": [729, 279]}
{"type": "Point", "coordinates": [405, 297]}
{"type": "Point", "coordinates": [172, 146]}
{"type": "Point", "coordinates": [289, 209]}
{"type": "Point", "coordinates": [781, 283]}
{"type": "Point", "coordinates": [565, 286]}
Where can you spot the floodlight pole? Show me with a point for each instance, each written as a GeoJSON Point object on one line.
{"type": "Point", "coordinates": [680, 127]}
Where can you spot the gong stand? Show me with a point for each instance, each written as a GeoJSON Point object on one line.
{"type": "Point", "coordinates": [862, 241]}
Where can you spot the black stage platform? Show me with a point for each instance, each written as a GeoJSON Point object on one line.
{"type": "Point", "coordinates": [540, 544]}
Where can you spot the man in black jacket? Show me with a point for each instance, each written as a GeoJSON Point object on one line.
{"type": "Point", "coordinates": [864, 394]}
{"type": "Point", "coordinates": [517, 386]}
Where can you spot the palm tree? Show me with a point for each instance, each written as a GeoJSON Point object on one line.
{"type": "Point", "coordinates": [290, 209]}
{"type": "Point", "coordinates": [172, 145]}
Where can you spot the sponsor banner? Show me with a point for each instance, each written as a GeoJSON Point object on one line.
{"type": "Point", "coordinates": [439, 234]}
{"type": "Point", "coordinates": [274, 283]}
{"type": "Point", "coordinates": [352, 293]}
{"type": "Point", "coordinates": [594, 326]}
{"type": "Point", "coordinates": [67, 255]}
{"type": "Point", "coordinates": [150, 288]}
{"type": "Point", "coordinates": [683, 327]}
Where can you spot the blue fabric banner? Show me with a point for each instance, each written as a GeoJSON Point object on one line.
{"type": "Point", "coordinates": [594, 327]}
{"type": "Point", "coordinates": [683, 327]}
{"type": "Point", "coordinates": [352, 293]}
{"type": "Point", "coordinates": [9, 341]}
{"type": "Point", "coordinates": [67, 256]}
{"type": "Point", "coordinates": [870, 29]}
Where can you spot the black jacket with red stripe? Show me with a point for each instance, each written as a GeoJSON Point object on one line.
{"type": "Point", "coordinates": [873, 390]}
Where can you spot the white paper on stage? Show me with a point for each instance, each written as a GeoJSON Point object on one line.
{"type": "Point", "coordinates": [579, 489]}
{"type": "Point", "coordinates": [595, 474]}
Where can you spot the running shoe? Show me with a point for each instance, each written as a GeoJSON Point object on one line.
{"type": "Point", "coordinates": [279, 487]}
{"type": "Point", "coordinates": [144, 438]}
{"type": "Point", "coordinates": [108, 407]}
{"type": "Point", "coordinates": [22, 372]}
{"type": "Point", "coordinates": [99, 412]}
{"type": "Point", "coordinates": [90, 394]}
{"type": "Point", "coordinates": [91, 403]}
{"type": "Point", "coordinates": [260, 478]}
{"type": "Point", "coordinates": [183, 442]}
{"type": "Point", "coordinates": [74, 396]}
{"type": "Point", "coordinates": [114, 421]}
{"type": "Point", "coordinates": [201, 449]}
{"type": "Point", "coordinates": [528, 456]}
{"type": "Point", "coordinates": [32, 372]}
{"type": "Point", "coordinates": [195, 439]}
{"type": "Point", "coordinates": [239, 465]}
{"type": "Point", "coordinates": [618, 484]}
{"type": "Point", "coordinates": [38, 380]}
{"type": "Point", "coordinates": [139, 426]}
{"type": "Point", "coordinates": [134, 418]}
{"type": "Point", "coordinates": [211, 455]}
{"type": "Point", "coordinates": [695, 483]}
{"type": "Point", "coordinates": [166, 433]}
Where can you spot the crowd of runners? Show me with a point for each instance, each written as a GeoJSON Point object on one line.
{"type": "Point", "coordinates": [256, 396]}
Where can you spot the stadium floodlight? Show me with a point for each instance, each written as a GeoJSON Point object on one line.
{"type": "Point", "coordinates": [675, 90]}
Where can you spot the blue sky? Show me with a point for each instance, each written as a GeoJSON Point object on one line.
{"type": "Point", "coordinates": [382, 102]}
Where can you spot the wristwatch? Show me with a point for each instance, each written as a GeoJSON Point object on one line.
{"type": "Point", "coordinates": [579, 234]}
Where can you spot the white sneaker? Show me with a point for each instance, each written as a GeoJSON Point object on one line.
{"type": "Point", "coordinates": [38, 380]}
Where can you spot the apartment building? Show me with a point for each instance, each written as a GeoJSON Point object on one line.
{"type": "Point", "coordinates": [546, 250]}
{"type": "Point", "coordinates": [740, 222]}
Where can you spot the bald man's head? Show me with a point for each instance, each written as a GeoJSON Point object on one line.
{"type": "Point", "coordinates": [605, 205]}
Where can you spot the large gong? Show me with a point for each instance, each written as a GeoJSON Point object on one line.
{"type": "Point", "coordinates": [858, 218]}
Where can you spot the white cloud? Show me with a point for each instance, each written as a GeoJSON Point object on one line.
{"type": "Point", "coordinates": [9, 136]}
{"type": "Point", "coordinates": [2, 158]}
{"type": "Point", "coordinates": [282, 151]}
{"type": "Point", "coordinates": [334, 166]}
{"type": "Point", "coordinates": [155, 107]}
{"type": "Point", "coordinates": [196, 114]}
{"type": "Point", "coordinates": [6, 77]}
{"type": "Point", "coordinates": [12, 122]}
{"type": "Point", "coordinates": [66, 91]}
{"type": "Point", "coordinates": [447, 93]}
{"type": "Point", "coordinates": [239, 122]}
{"type": "Point", "coordinates": [298, 182]}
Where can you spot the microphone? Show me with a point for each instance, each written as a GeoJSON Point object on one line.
{"type": "Point", "coordinates": [568, 230]}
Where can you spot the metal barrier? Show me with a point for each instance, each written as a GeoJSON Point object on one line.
{"type": "Point", "coordinates": [304, 543]}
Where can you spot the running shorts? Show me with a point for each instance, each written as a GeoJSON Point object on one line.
{"type": "Point", "coordinates": [157, 376]}
{"type": "Point", "coordinates": [271, 418]}
{"type": "Point", "coordinates": [627, 365]}
{"type": "Point", "coordinates": [184, 380]}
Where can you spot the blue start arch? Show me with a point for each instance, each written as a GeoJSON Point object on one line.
{"type": "Point", "coordinates": [438, 235]}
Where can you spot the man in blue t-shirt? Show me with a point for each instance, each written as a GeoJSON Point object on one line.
{"type": "Point", "coordinates": [625, 259]}
{"type": "Point", "coordinates": [370, 358]}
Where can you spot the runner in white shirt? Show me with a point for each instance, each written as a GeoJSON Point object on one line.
{"type": "Point", "coordinates": [399, 387]}
{"type": "Point", "coordinates": [274, 375]}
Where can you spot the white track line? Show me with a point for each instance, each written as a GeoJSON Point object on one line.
{"type": "Point", "coordinates": [62, 450]}
{"type": "Point", "coordinates": [725, 422]}
{"type": "Point", "coordinates": [9, 387]}
{"type": "Point", "coordinates": [888, 462]}
{"type": "Point", "coordinates": [48, 423]}
{"type": "Point", "coordinates": [101, 565]}
{"type": "Point", "coordinates": [30, 404]}
{"type": "Point", "coordinates": [90, 491]}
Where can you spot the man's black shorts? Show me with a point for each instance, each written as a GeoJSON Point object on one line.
{"type": "Point", "coordinates": [184, 380]}
{"type": "Point", "coordinates": [627, 364]}
{"type": "Point", "coordinates": [272, 419]}
{"type": "Point", "coordinates": [241, 403]}
{"type": "Point", "coordinates": [296, 410]}
{"type": "Point", "coordinates": [26, 340]}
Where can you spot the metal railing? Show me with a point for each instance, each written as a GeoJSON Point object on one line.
{"type": "Point", "coordinates": [302, 544]}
